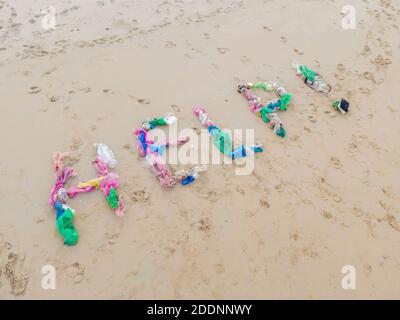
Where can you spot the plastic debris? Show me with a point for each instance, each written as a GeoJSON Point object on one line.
{"type": "Point", "coordinates": [170, 119]}
{"type": "Point", "coordinates": [276, 124]}
{"type": "Point", "coordinates": [161, 170]}
{"type": "Point", "coordinates": [188, 176]}
{"type": "Point", "coordinates": [113, 198]}
{"type": "Point", "coordinates": [58, 198]}
{"type": "Point", "coordinates": [267, 111]}
{"type": "Point", "coordinates": [106, 154]}
{"type": "Point", "coordinates": [341, 105]}
{"type": "Point", "coordinates": [105, 181]}
{"type": "Point", "coordinates": [244, 151]}
{"type": "Point", "coordinates": [315, 81]}
{"type": "Point", "coordinates": [220, 139]}
{"type": "Point", "coordinates": [65, 227]}
{"type": "Point", "coordinates": [223, 140]}
{"type": "Point", "coordinates": [189, 179]}
{"type": "Point", "coordinates": [280, 103]}
{"type": "Point", "coordinates": [153, 151]}
{"type": "Point", "coordinates": [311, 78]}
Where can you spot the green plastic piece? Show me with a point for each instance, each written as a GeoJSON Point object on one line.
{"type": "Point", "coordinates": [66, 228]}
{"type": "Point", "coordinates": [308, 73]}
{"type": "Point", "coordinates": [222, 141]}
{"type": "Point", "coordinates": [285, 101]}
{"type": "Point", "coordinates": [158, 122]}
{"type": "Point", "coordinates": [262, 85]}
{"type": "Point", "coordinates": [265, 114]}
{"type": "Point", "coordinates": [113, 198]}
{"type": "Point", "coordinates": [336, 104]}
{"type": "Point", "coordinates": [281, 132]}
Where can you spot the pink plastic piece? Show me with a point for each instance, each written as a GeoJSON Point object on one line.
{"type": "Point", "coordinates": [202, 114]}
{"type": "Point", "coordinates": [158, 166]}
{"type": "Point", "coordinates": [255, 103]}
{"type": "Point", "coordinates": [109, 180]}
{"type": "Point", "coordinates": [63, 175]}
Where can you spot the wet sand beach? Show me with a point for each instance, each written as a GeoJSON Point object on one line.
{"type": "Point", "coordinates": [326, 196]}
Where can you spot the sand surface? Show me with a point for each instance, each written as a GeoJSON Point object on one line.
{"type": "Point", "coordinates": [326, 196]}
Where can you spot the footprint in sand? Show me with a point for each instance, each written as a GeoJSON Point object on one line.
{"type": "Point", "coordinates": [139, 195]}
{"type": "Point", "coordinates": [18, 280]}
{"type": "Point", "coordinates": [219, 268]}
{"type": "Point", "coordinates": [336, 163]}
{"type": "Point", "coordinates": [112, 238]}
{"type": "Point", "coordinates": [341, 68]}
{"type": "Point", "coordinates": [337, 87]}
{"type": "Point", "coordinates": [317, 63]}
{"type": "Point", "coordinates": [76, 271]}
{"type": "Point", "coordinates": [175, 108]}
{"type": "Point", "coordinates": [245, 60]}
{"type": "Point", "coordinates": [368, 76]}
{"type": "Point", "coordinates": [12, 266]}
{"type": "Point", "coordinates": [170, 44]}
{"type": "Point", "coordinates": [76, 144]}
{"type": "Point", "coordinates": [203, 225]}
{"type": "Point", "coordinates": [365, 91]}
{"type": "Point", "coordinates": [54, 99]}
{"type": "Point", "coordinates": [312, 119]}
{"type": "Point", "coordinates": [250, 213]}
{"type": "Point", "coordinates": [49, 72]}
{"type": "Point", "coordinates": [222, 50]}
{"type": "Point", "coordinates": [366, 51]}
{"type": "Point", "coordinates": [212, 196]}
{"type": "Point", "coordinates": [367, 269]}
{"type": "Point", "coordinates": [85, 89]}
{"type": "Point", "coordinates": [327, 215]}
{"type": "Point", "coordinates": [73, 159]}
{"type": "Point", "coordinates": [381, 62]}
{"type": "Point", "coordinates": [240, 191]}
{"type": "Point", "coordinates": [339, 77]}
{"type": "Point", "coordinates": [34, 90]}
{"type": "Point", "coordinates": [390, 218]}
{"type": "Point", "coordinates": [294, 236]}
{"type": "Point", "coordinates": [264, 203]}
{"type": "Point", "coordinates": [298, 51]}
{"type": "Point", "coordinates": [197, 130]}
{"type": "Point", "coordinates": [393, 222]}
{"type": "Point", "coordinates": [215, 66]}
{"type": "Point", "coordinates": [144, 101]}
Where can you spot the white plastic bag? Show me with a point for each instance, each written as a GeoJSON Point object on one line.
{"type": "Point", "coordinates": [105, 154]}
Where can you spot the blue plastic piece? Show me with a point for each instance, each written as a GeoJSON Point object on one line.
{"type": "Point", "coordinates": [188, 180]}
